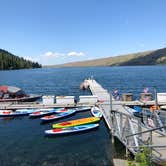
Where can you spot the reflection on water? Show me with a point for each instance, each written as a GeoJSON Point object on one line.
{"type": "Point", "coordinates": [22, 139]}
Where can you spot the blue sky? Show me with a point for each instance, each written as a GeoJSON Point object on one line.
{"type": "Point", "coordinates": [60, 31]}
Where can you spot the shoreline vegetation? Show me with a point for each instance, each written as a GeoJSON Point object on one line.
{"type": "Point", "coordinates": [9, 61]}
{"type": "Point", "coordinates": [153, 57]}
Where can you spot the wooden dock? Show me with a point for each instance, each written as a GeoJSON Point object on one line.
{"type": "Point", "coordinates": [28, 105]}
{"type": "Point", "coordinates": [104, 97]}
{"type": "Point", "coordinates": [127, 128]}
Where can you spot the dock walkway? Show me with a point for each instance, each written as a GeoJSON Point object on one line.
{"type": "Point", "coordinates": [106, 98]}
{"type": "Point", "coordinates": [127, 128]}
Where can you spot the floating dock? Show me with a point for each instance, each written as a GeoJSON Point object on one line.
{"type": "Point", "coordinates": [127, 128]}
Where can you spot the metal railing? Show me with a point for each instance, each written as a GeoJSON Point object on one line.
{"type": "Point", "coordinates": [134, 135]}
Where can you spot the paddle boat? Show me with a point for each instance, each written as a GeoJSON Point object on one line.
{"type": "Point", "coordinates": [96, 112]}
{"type": "Point", "coordinates": [76, 122]}
{"type": "Point", "coordinates": [71, 129]}
{"type": "Point", "coordinates": [58, 115]}
{"type": "Point", "coordinates": [42, 112]}
{"type": "Point", "coordinates": [11, 113]}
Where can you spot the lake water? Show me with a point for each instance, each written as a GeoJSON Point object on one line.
{"type": "Point", "coordinates": [22, 140]}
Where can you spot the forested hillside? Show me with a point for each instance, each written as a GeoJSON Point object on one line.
{"type": "Point", "coordinates": [9, 61]}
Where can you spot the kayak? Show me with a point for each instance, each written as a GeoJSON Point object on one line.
{"type": "Point", "coordinates": [76, 122]}
{"type": "Point", "coordinates": [58, 110]}
{"type": "Point", "coordinates": [42, 112]}
{"type": "Point", "coordinates": [79, 109]}
{"type": "Point", "coordinates": [9, 113]}
{"type": "Point", "coordinates": [131, 111]}
{"type": "Point", "coordinates": [28, 111]}
{"type": "Point", "coordinates": [96, 112]}
{"type": "Point", "coordinates": [71, 129]}
{"type": "Point", "coordinates": [59, 115]}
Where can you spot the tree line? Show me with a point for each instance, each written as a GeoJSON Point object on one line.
{"type": "Point", "coordinates": [9, 61]}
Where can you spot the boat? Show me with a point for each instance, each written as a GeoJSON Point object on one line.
{"type": "Point", "coordinates": [15, 94]}
{"type": "Point", "coordinates": [59, 110]}
{"type": "Point", "coordinates": [58, 116]}
{"type": "Point", "coordinates": [131, 111]}
{"type": "Point", "coordinates": [42, 112]}
{"type": "Point", "coordinates": [96, 112]}
{"type": "Point", "coordinates": [29, 111]}
{"type": "Point", "coordinates": [79, 109]}
{"type": "Point", "coordinates": [138, 111]}
{"type": "Point", "coordinates": [76, 122]}
{"type": "Point", "coordinates": [11, 113]}
{"type": "Point", "coordinates": [71, 129]}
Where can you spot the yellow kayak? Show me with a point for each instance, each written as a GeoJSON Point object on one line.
{"type": "Point", "coordinates": [76, 122]}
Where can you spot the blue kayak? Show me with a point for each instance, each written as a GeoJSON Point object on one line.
{"type": "Point", "coordinates": [71, 129]}
{"type": "Point", "coordinates": [42, 112]}
{"type": "Point", "coordinates": [58, 115]}
{"type": "Point", "coordinates": [10, 113]}
{"type": "Point", "coordinates": [79, 109]}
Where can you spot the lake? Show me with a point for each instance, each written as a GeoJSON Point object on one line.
{"type": "Point", "coordinates": [22, 139]}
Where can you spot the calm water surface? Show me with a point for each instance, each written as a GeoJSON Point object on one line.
{"type": "Point", "coordinates": [22, 139]}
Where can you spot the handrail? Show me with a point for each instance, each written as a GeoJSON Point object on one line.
{"type": "Point", "coordinates": [115, 111]}
{"type": "Point", "coordinates": [157, 128]}
{"type": "Point", "coordinates": [150, 146]}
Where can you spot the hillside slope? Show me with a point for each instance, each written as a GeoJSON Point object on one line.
{"type": "Point", "coordinates": [9, 61]}
{"type": "Point", "coordinates": [155, 57]}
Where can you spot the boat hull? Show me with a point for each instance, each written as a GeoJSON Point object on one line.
{"type": "Point", "coordinates": [71, 129]}
{"type": "Point", "coordinates": [80, 109]}
{"type": "Point", "coordinates": [42, 112]}
{"type": "Point", "coordinates": [76, 122]}
{"type": "Point", "coordinates": [96, 112]}
{"type": "Point", "coordinates": [58, 116]}
{"type": "Point", "coordinates": [30, 98]}
{"type": "Point", "coordinates": [12, 113]}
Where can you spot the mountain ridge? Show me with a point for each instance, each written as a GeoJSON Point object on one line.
{"type": "Point", "coordinates": [152, 57]}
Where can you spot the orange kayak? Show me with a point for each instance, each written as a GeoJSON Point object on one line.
{"type": "Point", "coordinates": [76, 122]}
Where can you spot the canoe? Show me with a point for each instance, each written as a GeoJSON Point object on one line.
{"type": "Point", "coordinates": [42, 112]}
{"type": "Point", "coordinates": [79, 109]}
{"type": "Point", "coordinates": [59, 115]}
{"type": "Point", "coordinates": [96, 112]}
{"type": "Point", "coordinates": [10, 113]}
{"type": "Point", "coordinates": [76, 122]}
{"type": "Point", "coordinates": [71, 129]}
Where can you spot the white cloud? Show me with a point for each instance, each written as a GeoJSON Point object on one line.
{"type": "Point", "coordinates": [51, 54]}
{"type": "Point", "coordinates": [52, 58]}
{"type": "Point", "coordinates": [73, 53]}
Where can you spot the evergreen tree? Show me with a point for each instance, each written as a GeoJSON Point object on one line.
{"type": "Point", "coordinates": [9, 61]}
